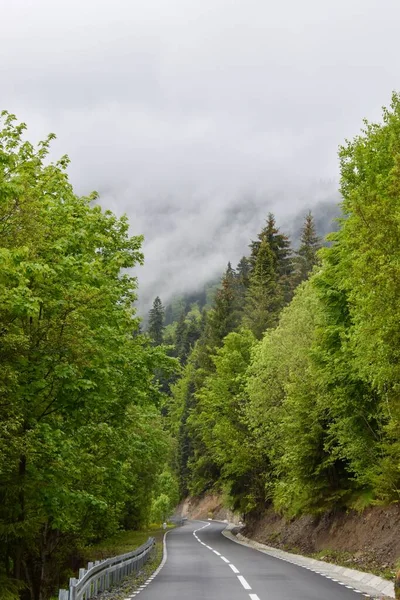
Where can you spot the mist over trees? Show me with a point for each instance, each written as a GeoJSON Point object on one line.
{"type": "Point", "coordinates": [289, 395]}
{"type": "Point", "coordinates": [277, 385]}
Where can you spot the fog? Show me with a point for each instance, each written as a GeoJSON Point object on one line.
{"type": "Point", "coordinates": [197, 117]}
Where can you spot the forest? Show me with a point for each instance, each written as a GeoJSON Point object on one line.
{"type": "Point", "coordinates": [289, 390]}
{"type": "Point", "coordinates": [279, 387]}
{"type": "Point", "coordinates": [83, 450]}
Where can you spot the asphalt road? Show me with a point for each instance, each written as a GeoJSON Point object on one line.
{"type": "Point", "coordinates": [202, 564]}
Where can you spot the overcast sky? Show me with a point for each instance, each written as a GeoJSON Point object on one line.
{"type": "Point", "coordinates": [198, 116]}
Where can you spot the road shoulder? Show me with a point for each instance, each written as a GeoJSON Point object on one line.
{"type": "Point", "coordinates": [369, 584]}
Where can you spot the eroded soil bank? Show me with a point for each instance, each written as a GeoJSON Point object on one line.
{"type": "Point", "coordinates": [368, 540]}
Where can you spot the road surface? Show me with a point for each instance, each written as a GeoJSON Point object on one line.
{"type": "Point", "coordinates": [203, 565]}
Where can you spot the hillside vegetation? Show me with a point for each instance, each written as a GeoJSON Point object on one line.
{"type": "Point", "coordinates": [280, 388]}
{"type": "Point", "coordinates": [289, 392]}
{"type": "Point", "coordinates": [82, 445]}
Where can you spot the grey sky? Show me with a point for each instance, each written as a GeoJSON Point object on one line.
{"type": "Point", "coordinates": [197, 116]}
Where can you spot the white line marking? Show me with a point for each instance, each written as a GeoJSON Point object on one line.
{"type": "Point", "coordinates": [234, 569]}
{"type": "Point", "coordinates": [225, 559]}
{"type": "Point", "coordinates": [244, 582]}
{"type": "Point", "coordinates": [217, 553]}
{"type": "Point", "coordinates": [254, 597]}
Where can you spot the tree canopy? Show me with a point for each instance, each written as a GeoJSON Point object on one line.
{"type": "Point", "coordinates": [81, 439]}
{"type": "Point", "coordinates": [307, 418]}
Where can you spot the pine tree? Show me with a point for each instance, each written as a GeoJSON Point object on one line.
{"type": "Point", "coordinates": [224, 316]}
{"type": "Point", "coordinates": [188, 330]}
{"type": "Point", "coordinates": [156, 322]}
{"type": "Point", "coordinates": [279, 244]}
{"type": "Point", "coordinates": [243, 271]}
{"type": "Point", "coordinates": [264, 298]}
{"type": "Point", "coordinates": [307, 257]}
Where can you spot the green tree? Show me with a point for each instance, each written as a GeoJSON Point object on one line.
{"type": "Point", "coordinates": [307, 254]}
{"type": "Point", "coordinates": [361, 270]}
{"type": "Point", "coordinates": [288, 415]}
{"type": "Point", "coordinates": [264, 297]}
{"type": "Point", "coordinates": [166, 497]}
{"type": "Point", "coordinates": [279, 244]}
{"type": "Point", "coordinates": [156, 322]}
{"type": "Point", "coordinates": [79, 434]}
{"type": "Point", "coordinates": [222, 426]}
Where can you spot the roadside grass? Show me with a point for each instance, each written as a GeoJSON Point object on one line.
{"type": "Point", "coordinates": [131, 584]}
{"type": "Point", "coordinates": [121, 543]}
{"type": "Point", "coordinates": [347, 559]}
{"type": "Point", "coordinates": [366, 563]}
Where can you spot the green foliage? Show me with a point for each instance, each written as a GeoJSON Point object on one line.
{"type": "Point", "coordinates": [220, 421]}
{"type": "Point", "coordinates": [279, 245]}
{"type": "Point", "coordinates": [187, 332]}
{"type": "Point", "coordinates": [309, 417]}
{"type": "Point", "coordinates": [264, 297]}
{"type": "Point", "coordinates": [363, 268]}
{"type": "Point", "coordinates": [307, 254]}
{"type": "Point", "coordinates": [156, 322]}
{"type": "Point", "coordinates": [166, 497]}
{"type": "Point", "coordinates": [81, 442]}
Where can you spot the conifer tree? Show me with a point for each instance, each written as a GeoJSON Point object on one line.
{"type": "Point", "coordinates": [242, 283]}
{"type": "Point", "coordinates": [188, 330]}
{"type": "Point", "coordinates": [264, 298]}
{"type": "Point", "coordinates": [224, 317]}
{"type": "Point", "coordinates": [279, 244]}
{"type": "Point", "coordinates": [156, 322]}
{"type": "Point", "coordinates": [243, 271]}
{"type": "Point", "coordinates": [307, 257]}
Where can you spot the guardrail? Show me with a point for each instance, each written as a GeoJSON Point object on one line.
{"type": "Point", "coordinates": [102, 575]}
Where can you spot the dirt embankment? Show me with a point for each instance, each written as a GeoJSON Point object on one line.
{"type": "Point", "coordinates": [368, 541]}
{"type": "Point", "coordinates": [207, 507]}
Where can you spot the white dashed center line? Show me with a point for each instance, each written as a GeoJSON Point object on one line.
{"type": "Point", "coordinates": [224, 559]}
{"type": "Point", "coordinates": [234, 569]}
{"type": "Point", "coordinates": [244, 582]}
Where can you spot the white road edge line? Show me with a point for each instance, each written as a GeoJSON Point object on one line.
{"type": "Point", "coordinates": [255, 597]}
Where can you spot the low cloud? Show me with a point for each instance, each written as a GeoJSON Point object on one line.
{"type": "Point", "coordinates": [197, 117]}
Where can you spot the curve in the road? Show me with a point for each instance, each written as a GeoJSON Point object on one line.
{"type": "Point", "coordinates": [240, 577]}
{"type": "Point", "coordinates": [201, 564]}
